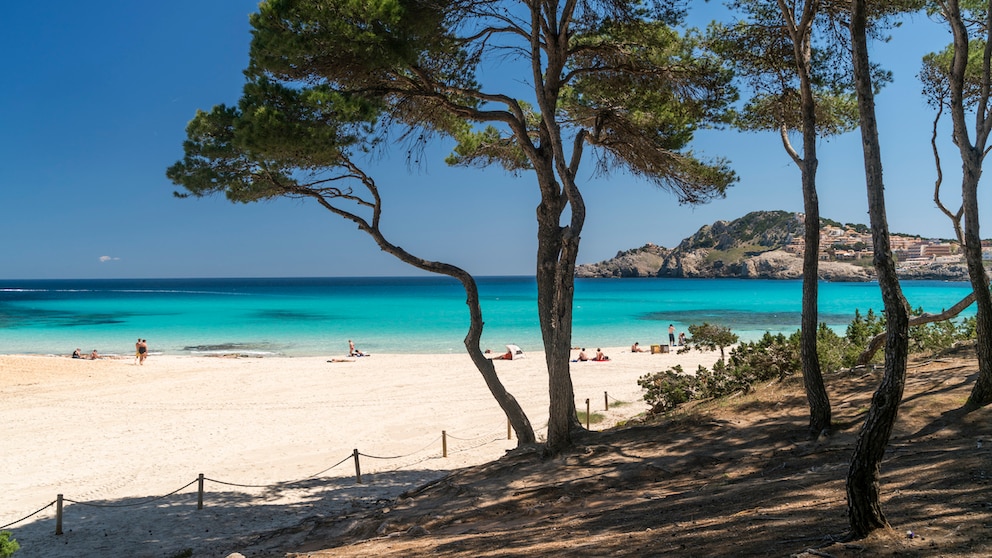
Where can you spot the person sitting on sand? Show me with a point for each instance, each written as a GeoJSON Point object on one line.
{"type": "Point", "coordinates": [681, 339]}
{"type": "Point", "coordinates": [582, 355]}
{"type": "Point", "coordinates": [77, 353]}
{"type": "Point", "coordinates": [600, 357]}
{"type": "Point", "coordinates": [636, 348]}
{"type": "Point", "coordinates": [94, 355]}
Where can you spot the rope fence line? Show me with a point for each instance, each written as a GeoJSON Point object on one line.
{"type": "Point", "coordinates": [30, 515]}
{"type": "Point", "coordinates": [141, 503]}
{"type": "Point", "coordinates": [483, 440]}
{"type": "Point", "coordinates": [201, 479]}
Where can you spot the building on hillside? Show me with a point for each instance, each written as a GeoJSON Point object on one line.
{"type": "Point", "coordinates": [939, 249]}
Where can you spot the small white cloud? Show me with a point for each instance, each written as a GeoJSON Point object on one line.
{"type": "Point", "coordinates": [104, 259]}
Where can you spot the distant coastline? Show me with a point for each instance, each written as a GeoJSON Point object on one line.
{"type": "Point", "coordinates": [769, 245]}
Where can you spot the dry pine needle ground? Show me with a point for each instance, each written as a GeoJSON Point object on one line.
{"type": "Point", "coordinates": [735, 477]}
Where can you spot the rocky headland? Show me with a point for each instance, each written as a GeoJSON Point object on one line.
{"type": "Point", "coordinates": [761, 245]}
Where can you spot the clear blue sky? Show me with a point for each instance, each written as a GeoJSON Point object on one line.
{"type": "Point", "coordinates": [97, 95]}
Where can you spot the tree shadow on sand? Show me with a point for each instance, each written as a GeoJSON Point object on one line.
{"type": "Point", "coordinates": [233, 518]}
{"type": "Point", "coordinates": [725, 480]}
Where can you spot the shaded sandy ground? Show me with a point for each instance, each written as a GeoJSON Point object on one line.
{"type": "Point", "coordinates": [274, 438]}
{"type": "Point", "coordinates": [727, 478]}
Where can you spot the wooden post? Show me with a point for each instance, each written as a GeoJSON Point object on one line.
{"type": "Point", "coordinates": [587, 413]}
{"type": "Point", "coordinates": [199, 493]}
{"type": "Point", "coordinates": [444, 443]}
{"type": "Point", "coordinates": [358, 468]}
{"type": "Point", "coordinates": [58, 514]}
{"type": "Point", "coordinates": [606, 401]}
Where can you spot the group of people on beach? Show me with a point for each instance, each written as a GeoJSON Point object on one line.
{"type": "Point", "coordinates": [140, 352]}
{"type": "Point", "coordinates": [599, 357]}
{"type": "Point", "coordinates": [78, 354]}
{"type": "Point", "coordinates": [353, 352]}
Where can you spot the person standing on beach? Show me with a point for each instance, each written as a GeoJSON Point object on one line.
{"type": "Point", "coordinates": [142, 350]}
{"type": "Point", "coordinates": [671, 335]}
{"type": "Point", "coordinates": [137, 351]}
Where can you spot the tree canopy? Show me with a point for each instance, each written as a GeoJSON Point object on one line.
{"type": "Point", "coordinates": [330, 78]}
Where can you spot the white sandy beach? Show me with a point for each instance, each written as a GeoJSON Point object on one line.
{"type": "Point", "coordinates": [114, 438]}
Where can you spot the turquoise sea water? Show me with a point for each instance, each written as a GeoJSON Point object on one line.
{"type": "Point", "coordinates": [317, 316]}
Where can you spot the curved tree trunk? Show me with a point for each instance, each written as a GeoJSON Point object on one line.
{"type": "Point", "coordinates": [514, 412]}
{"type": "Point", "coordinates": [876, 342]}
{"type": "Point", "coordinates": [863, 500]}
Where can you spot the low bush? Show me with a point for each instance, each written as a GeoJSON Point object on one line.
{"type": "Point", "coordinates": [778, 356]}
{"type": "Point", "coordinates": [8, 546]}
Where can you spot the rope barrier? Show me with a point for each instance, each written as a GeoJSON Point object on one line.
{"type": "Point", "coordinates": [29, 516]}
{"type": "Point", "coordinates": [201, 478]}
{"type": "Point", "coordinates": [486, 439]}
{"type": "Point", "coordinates": [432, 442]}
{"type": "Point", "coordinates": [141, 503]}
{"type": "Point", "coordinates": [472, 439]}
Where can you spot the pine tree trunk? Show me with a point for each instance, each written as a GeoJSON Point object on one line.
{"type": "Point", "coordinates": [816, 392]}
{"type": "Point", "coordinates": [981, 393]}
{"type": "Point", "coordinates": [972, 157]}
{"type": "Point", "coordinates": [555, 292]}
{"type": "Point", "coordinates": [863, 499]}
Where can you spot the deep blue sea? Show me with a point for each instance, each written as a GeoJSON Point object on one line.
{"type": "Point", "coordinates": [317, 316]}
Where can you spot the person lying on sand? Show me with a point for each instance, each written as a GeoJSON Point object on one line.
{"type": "Point", "coordinates": [508, 355]}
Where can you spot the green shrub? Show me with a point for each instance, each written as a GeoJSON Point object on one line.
{"type": "Point", "coordinates": [667, 389]}
{"type": "Point", "coordinates": [936, 337]}
{"type": "Point", "coordinates": [712, 337]}
{"type": "Point", "coordinates": [8, 546]}
{"type": "Point", "coordinates": [770, 356]}
{"type": "Point", "coordinates": [778, 356]}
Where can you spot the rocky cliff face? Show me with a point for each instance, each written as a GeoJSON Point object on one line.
{"type": "Point", "coordinates": [750, 248]}
{"type": "Point", "coordinates": [638, 262]}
